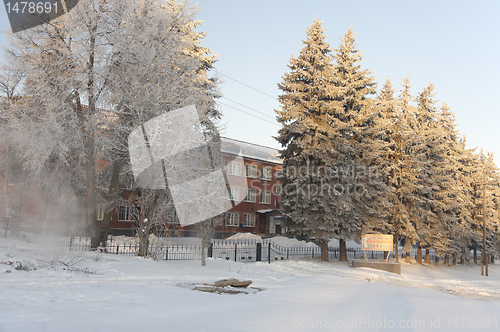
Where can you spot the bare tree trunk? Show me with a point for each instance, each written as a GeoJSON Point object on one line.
{"type": "Point", "coordinates": [205, 231]}
{"type": "Point", "coordinates": [419, 254]}
{"type": "Point", "coordinates": [343, 251]}
{"type": "Point", "coordinates": [203, 263]}
{"type": "Point", "coordinates": [396, 250]}
{"type": "Point", "coordinates": [17, 218]}
{"type": "Point", "coordinates": [106, 220]}
{"type": "Point", "coordinates": [447, 260]}
{"type": "Point", "coordinates": [436, 259]}
{"type": "Point", "coordinates": [462, 260]}
{"type": "Point", "coordinates": [8, 202]}
{"type": "Point", "coordinates": [324, 251]}
{"type": "Point", "coordinates": [408, 257]}
{"type": "Point", "coordinates": [427, 256]}
{"type": "Point", "coordinates": [90, 147]}
{"type": "Point", "coordinates": [91, 208]}
{"type": "Point", "coordinates": [475, 255]}
{"type": "Point", "coordinates": [143, 243]}
{"type": "Point", "coordinates": [454, 262]}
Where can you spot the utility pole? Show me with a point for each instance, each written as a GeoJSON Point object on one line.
{"type": "Point", "coordinates": [484, 257]}
{"type": "Point", "coordinates": [484, 260]}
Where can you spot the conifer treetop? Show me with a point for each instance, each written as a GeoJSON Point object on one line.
{"type": "Point", "coordinates": [354, 83]}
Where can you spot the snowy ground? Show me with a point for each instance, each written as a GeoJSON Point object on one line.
{"type": "Point", "coordinates": [72, 291]}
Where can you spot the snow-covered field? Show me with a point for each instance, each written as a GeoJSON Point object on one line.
{"type": "Point", "coordinates": [86, 291]}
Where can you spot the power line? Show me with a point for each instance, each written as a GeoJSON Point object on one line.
{"type": "Point", "coordinates": [233, 101]}
{"type": "Point", "coordinates": [255, 116]}
{"type": "Point", "coordinates": [274, 123]}
{"type": "Point", "coordinates": [248, 86]}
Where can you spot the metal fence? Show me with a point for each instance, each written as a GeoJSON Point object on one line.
{"type": "Point", "coordinates": [242, 250]}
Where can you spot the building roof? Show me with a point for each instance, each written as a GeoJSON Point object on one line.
{"type": "Point", "coordinates": [249, 150]}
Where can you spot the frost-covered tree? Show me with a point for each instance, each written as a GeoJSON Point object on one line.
{"type": "Point", "coordinates": [333, 141]}
{"type": "Point", "coordinates": [458, 162]}
{"type": "Point", "coordinates": [403, 163]}
{"type": "Point", "coordinates": [306, 138]}
{"type": "Point", "coordinates": [91, 60]}
{"type": "Point", "coordinates": [164, 65]}
{"type": "Point", "coordinates": [362, 128]}
{"type": "Point", "coordinates": [438, 181]}
{"type": "Point", "coordinates": [485, 172]}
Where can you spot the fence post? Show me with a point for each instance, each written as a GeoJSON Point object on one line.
{"type": "Point", "coordinates": [210, 250]}
{"type": "Point", "coordinates": [117, 249]}
{"type": "Point", "coordinates": [287, 253]}
{"type": "Point", "coordinates": [313, 253]}
{"type": "Point", "coordinates": [166, 253]}
{"type": "Point", "coordinates": [269, 253]}
{"type": "Point", "coordinates": [258, 254]}
{"type": "Point", "coordinates": [235, 251]}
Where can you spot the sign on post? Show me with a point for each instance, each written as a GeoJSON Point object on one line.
{"type": "Point", "coordinates": [376, 242]}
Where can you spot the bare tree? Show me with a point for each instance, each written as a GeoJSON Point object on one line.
{"type": "Point", "coordinates": [92, 76]}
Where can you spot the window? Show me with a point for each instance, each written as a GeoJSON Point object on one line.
{"type": "Point", "coordinates": [249, 220]}
{"type": "Point", "coordinates": [101, 208]}
{"type": "Point", "coordinates": [233, 219]}
{"type": "Point", "coordinates": [125, 213]}
{"type": "Point", "coordinates": [250, 171]}
{"type": "Point", "coordinates": [234, 169]}
{"type": "Point", "coordinates": [250, 195]}
{"type": "Point", "coordinates": [233, 193]}
{"type": "Point", "coordinates": [267, 173]}
{"type": "Point", "coordinates": [265, 197]}
{"type": "Point", "coordinates": [172, 216]}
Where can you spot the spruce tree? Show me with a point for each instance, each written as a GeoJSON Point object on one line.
{"type": "Point", "coordinates": [404, 163]}
{"type": "Point", "coordinates": [305, 138]}
{"type": "Point", "coordinates": [485, 169]}
{"type": "Point", "coordinates": [361, 127]}
{"type": "Point", "coordinates": [438, 186]}
{"type": "Point", "coordinates": [459, 164]}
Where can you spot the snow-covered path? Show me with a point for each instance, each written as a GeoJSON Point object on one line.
{"type": "Point", "coordinates": [95, 292]}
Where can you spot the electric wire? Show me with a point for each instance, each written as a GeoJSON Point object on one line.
{"type": "Point", "coordinates": [274, 123]}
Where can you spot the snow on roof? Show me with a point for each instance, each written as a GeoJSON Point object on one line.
{"type": "Point", "coordinates": [249, 150]}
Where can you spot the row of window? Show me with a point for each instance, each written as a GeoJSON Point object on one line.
{"type": "Point", "coordinates": [233, 219]}
{"type": "Point", "coordinates": [125, 213]}
{"type": "Point", "coordinates": [250, 195]}
{"type": "Point", "coordinates": [251, 171]}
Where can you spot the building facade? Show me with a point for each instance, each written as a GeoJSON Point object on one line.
{"type": "Point", "coordinates": [253, 195]}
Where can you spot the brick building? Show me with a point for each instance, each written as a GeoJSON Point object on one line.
{"type": "Point", "coordinates": [252, 201]}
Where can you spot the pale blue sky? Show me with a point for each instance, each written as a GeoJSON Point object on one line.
{"type": "Point", "coordinates": [454, 44]}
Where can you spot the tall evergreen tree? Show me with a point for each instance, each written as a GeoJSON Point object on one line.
{"type": "Point", "coordinates": [362, 129]}
{"type": "Point", "coordinates": [486, 172]}
{"type": "Point", "coordinates": [305, 138]}
{"type": "Point", "coordinates": [436, 177]}
{"type": "Point", "coordinates": [459, 197]}
{"type": "Point", "coordinates": [404, 163]}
